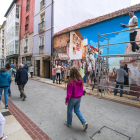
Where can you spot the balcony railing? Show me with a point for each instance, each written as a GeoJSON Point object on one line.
{"type": "Point", "coordinates": [42, 4]}
{"type": "Point", "coordinates": [41, 26]}
{"type": "Point", "coordinates": [26, 27]}
{"type": "Point", "coordinates": [2, 46]}
{"type": "Point", "coordinates": [41, 49]}
{"type": "Point", "coordinates": [25, 49]}
{"type": "Point", "coordinates": [27, 8]}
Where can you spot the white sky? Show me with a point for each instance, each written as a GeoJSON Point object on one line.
{"type": "Point", "coordinates": [6, 3]}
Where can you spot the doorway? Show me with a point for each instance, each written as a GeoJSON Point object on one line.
{"type": "Point", "coordinates": [38, 67]}
{"type": "Point", "coordinates": [46, 69]}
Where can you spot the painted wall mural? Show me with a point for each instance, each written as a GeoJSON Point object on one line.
{"type": "Point", "coordinates": [77, 44]}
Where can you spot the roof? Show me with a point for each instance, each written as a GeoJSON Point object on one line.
{"type": "Point", "coordinates": [90, 22]}
{"type": "Point", "coordinates": [14, 1]}
{"type": "Point", "coordinates": [3, 24]}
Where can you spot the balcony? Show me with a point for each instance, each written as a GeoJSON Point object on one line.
{"type": "Point", "coordinates": [2, 46]}
{"type": "Point", "coordinates": [26, 27]}
{"type": "Point", "coordinates": [41, 26]}
{"type": "Point", "coordinates": [42, 4]}
{"type": "Point", "coordinates": [25, 49]}
{"type": "Point", "coordinates": [41, 49]}
{"type": "Point", "coordinates": [27, 8]}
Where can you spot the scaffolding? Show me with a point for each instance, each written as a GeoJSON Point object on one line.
{"type": "Point", "coordinates": [104, 63]}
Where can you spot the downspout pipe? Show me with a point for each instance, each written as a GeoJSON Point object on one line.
{"type": "Point", "coordinates": [51, 37]}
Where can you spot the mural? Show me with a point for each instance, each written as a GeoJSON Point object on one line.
{"type": "Point", "coordinates": [82, 45]}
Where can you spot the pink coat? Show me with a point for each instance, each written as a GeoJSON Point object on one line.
{"type": "Point", "coordinates": [54, 71]}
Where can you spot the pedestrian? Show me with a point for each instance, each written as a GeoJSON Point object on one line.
{"type": "Point", "coordinates": [120, 73]}
{"type": "Point", "coordinates": [26, 67]}
{"type": "Point", "coordinates": [21, 79]}
{"type": "Point", "coordinates": [31, 70]}
{"type": "Point", "coordinates": [11, 71]}
{"type": "Point", "coordinates": [53, 73]}
{"type": "Point", "coordinates": [68, 71]}
{"type": "Point", "coordinates": [12, 65]}
{"type": "Point", "coordinates": [126, 78]}
{"type": "Point", "coordinates": [5, 80]}
{"type": "Point", "coordinates": [73, 98]}
{"type": "Point", "coordinates": [2, 122]}
{"type": "Point", "coordinates": [62, 70]}
{"type": "Point", "coordinates": [132, 25]}
{"type": "Point", "coordinates": [58, 72]}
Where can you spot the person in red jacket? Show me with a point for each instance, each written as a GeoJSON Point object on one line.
{"type": "Point", "coordinates": [73, 99]}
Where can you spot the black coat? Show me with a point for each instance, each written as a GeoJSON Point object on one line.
{"type": "Point", "coordinates": [21, 76]}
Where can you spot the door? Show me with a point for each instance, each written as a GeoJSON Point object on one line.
{"type": "Point", "coordinates": [38, 67]}
{"type": "Point", "coordinates": [47, 69]}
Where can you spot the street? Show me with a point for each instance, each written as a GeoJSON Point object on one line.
{"type": "Point", "coordinates": [45, 106]}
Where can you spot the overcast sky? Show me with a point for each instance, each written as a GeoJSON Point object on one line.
{"type": "Point", "coordinates": [6, 3]}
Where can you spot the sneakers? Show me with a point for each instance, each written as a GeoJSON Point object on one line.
{"type": "Point", "coordinates": [85, 126]}
{"type": "Point", "coordinates": [6, 106]}
{"type": "Point", "coordinates": [24, 98]}
{"type": "Point", "coordinates": [66, 124]}
{"type": "Point", "coordinates": [5, 138]}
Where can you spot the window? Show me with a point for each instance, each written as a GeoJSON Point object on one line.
{"type": "Point", "coordinates": [16, 47]}
{"type": "Point", "coordinates": [17, 30]}
{"type": "Point", "coordinates": [27, 23]}
{"type": "Point", "coordinates": [42, 4]}
{"type": "Point", "coordinates": [3, 33]}
{"type": "Point", "coordinates": [17, 11]}
{"type": "Point", "coordinates": [27, 7]}
{"type": "Point", "coordinates": [26, 45]}
{"type": "Point", "coordinates": [41, 45]}
{"type": "Point", "coordinates": [42, 23]}
{"type": "Point", "coordinates": [2, 43]}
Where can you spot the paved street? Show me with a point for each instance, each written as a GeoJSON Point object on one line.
{"type": "Point", "coordinates": [46, 108]}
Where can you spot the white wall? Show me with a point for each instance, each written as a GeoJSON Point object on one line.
{"type": "Point", "coordinates": [71, 12]}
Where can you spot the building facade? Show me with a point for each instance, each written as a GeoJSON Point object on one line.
{"type": "Point", "coordinates": [13, 15]}
{"type": "Point", "coordinates": [26, 32]}
{"type": "Point", "coordinates": [43, 29]}
{"type": "Point", "coordinates": [2, 44]}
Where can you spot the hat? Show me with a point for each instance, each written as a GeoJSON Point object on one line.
{"type": "Point", "coordinates": [131, 11]}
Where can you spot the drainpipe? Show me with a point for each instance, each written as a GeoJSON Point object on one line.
{"type": "Point", "coordinates": [51, 37]}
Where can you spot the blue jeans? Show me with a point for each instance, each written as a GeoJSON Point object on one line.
{"type": "Point", "coordinates": [62, 74]}
{"type": "Point", "coordinates": [9, 89]}
{"type": "Point", "coordinates": [53, 78]}
{"type": "Point", "coordinates": [74, 103]}
{"type": "Point", "coordinates": [5, 94]}
{"type": "Point", "coordinates": [121, 91]}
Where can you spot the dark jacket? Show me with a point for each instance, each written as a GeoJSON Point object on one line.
{"type": "Point", "coordinates": [26, 67]}
{"type": "Point", "coordinates": [21, 76]}
{"type": "Point", "coordinates": [4, 79]}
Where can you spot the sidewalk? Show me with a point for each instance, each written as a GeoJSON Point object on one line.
{"type": "Point", "coordinates": [12, 128]}
{"type": "Point", "coordinates": [107, 96]}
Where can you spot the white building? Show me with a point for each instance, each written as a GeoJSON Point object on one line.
{"type": "Point", "coordinates": [12, 33]}
{"type": "Point", "coordinates": [2, 44]}
{"type": "Point", "coordinates": [71, 12]}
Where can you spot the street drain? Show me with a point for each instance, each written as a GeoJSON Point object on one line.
{"type": "Point", "coordinates": [7, 113]}
{"type": "Point", "coordinates": [106, 133]}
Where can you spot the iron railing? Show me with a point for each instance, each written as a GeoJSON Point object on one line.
{"type": "Point", "coordinates": [41, 26]}
{"type": "Point", "coordinates": [26, 27]}
{"type": "Point", "coordinates": [25, 49]}
{"type": "Point", "coordinates": [42, 4]}
{"type": "Point", "coordinates": [27, 8]}
{"type": "Point", "coordinates": [41, 49]}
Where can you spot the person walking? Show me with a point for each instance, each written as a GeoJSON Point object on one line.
{"type": "Point", "coordinates": [5, 80]}
{"type": "Point", "coordinates": [2, 122]}
{"type": "Point", "coordinates": [53, 73]}
{"type": "Point", "coordinates": [21, 79]}
{"type": "Point", "coordinates": [120, 79]}
{"type": "Point", "coordinates": [126, 78]}
{"type": "Point", "coordinates": [58, 72]}
{"type": "Point", "coordinates": [12, 65]}
{"type": "Point", "coordinates": [26, 67]}
{"type": "Point", "coordinates": [73, 98]}
{"type": "Point", "coordinates": [31, 70]}
{"type": "Point", "coordinates": [11, 71]}
{"type": "Point", "coordinates": [62, 70]}
{"type": "Point", "coordinates": [132, 25]}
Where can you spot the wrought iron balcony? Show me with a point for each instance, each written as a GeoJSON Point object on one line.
{"type": "Point", "coordinates": [27, 8]}
{"type": "Point", "coordinates": [26, 27]}
{"type": "Point", "coordinates": [41, 49]}
{"type": "Point", "coordinates": [41, 26]}
{"type": "Point", "coordinates": [25, 49]}
{"type": "Point", "coordinates": [42, 4]}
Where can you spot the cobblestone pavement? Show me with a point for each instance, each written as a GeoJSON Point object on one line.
{"type": "Point", "coordinates": [107, 120]}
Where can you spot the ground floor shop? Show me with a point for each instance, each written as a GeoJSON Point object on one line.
{"type": "Point", "coordinates": [42, 66]}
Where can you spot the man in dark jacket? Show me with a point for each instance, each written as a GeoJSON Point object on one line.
{"type": "Point", "coordinates": [5, 80]}
{"type": "Point", "coordinates": [21, 79]}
